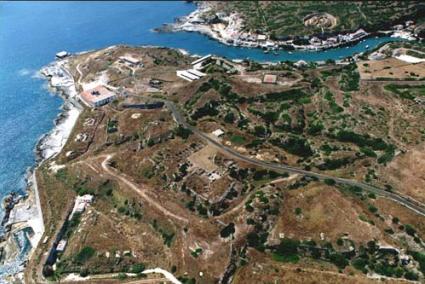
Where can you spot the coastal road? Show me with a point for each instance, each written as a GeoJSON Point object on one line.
{"type": "Point", "coordinates": [407, 202]}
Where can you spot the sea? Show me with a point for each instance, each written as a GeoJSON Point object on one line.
{"type": "Point", "coordinates": [31, 33]}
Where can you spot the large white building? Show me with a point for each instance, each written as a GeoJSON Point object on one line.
{"type": "Point", "coordinates": [97, 96]}
{"type": "Point", "coordinates": [190, 74]}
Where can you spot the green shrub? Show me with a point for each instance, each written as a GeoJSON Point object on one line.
{"type": "Point", "coordinates": [182, 132]}
{"type": "Point", "coordinates": [339, 260]}
{"type": "Point", "coordinates": [286, 95]}
{"type": "Point", "coordinates": [294, 145]}
{"type": "Point", "coordinates": [329, 181]}
{"type": "Point", "coordinates": [137, 268]}
{"type": "Point", "coordinates": [368, 152]}
{"type": "Point", "coordinates": [85, 254]}
{"type": "Point", "coordinates": [228, 230]}
{"type": "Point", "coordinates": [372, 209]}
{"type": "Point", "coordinates": [409, 275]}
{"type": "Point", "coordinates": [287, 251]}
{"type": "Point", "coordinates": [410, 230]}
{"type": "Point", "coordinates": [236, 139]}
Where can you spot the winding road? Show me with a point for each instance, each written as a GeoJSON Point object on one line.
{"type": "Point", "coordinates": [407, 202]}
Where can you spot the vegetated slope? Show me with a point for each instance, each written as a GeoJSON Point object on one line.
{"type": "Point", "coordinates": [285, 18]}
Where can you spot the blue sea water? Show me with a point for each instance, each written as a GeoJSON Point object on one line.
{"type": "Point", "coordinates": [32, 32]}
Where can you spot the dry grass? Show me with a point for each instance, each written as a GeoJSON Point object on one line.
{"type": "Point", "coordinates": [324, 210]}
{"type": "Point", "coordinates": [262, 269]}
{"type": "Point", "coordinates": [204, 158]}
{"type": "Point", "coordinates": [405, 173]}
{"type": "Point", "coordinates": [390, 68]}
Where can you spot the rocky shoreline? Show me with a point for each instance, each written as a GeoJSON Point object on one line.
{"type": "Point", "coordinates": [23, 212]}
{"type": "Point", "coordinates": [227, 29]}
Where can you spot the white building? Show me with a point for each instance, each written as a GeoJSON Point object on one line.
{"type": "Point", "coordinates": [62, 54]}
{"type": "Point", "coordinates": [97, 96]}
{"type": "Point", "coordinates": [190, 74]}
{"type": "Point", "coordinates": [218, 132]}
{"type": "Point", "coordinates": [261, 37]}
{"type": "Point", "coordinates": [131, 60]}
{"type": "Point", "coordinates": [81, 203]}
{"type": "Point", "coordinates": [61, 246]}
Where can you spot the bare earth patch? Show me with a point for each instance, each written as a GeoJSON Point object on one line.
{"type": "Point", "coordinates": [406, 173]}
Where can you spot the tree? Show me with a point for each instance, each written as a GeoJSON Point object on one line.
{"type": "Point", "coordinates": [228, 230]}
{"type": "Point", "coordinates": [182, 132]}
{"type": "Point", "coordinates": [260, 131]}
{"type": "Point", "coordinates": [372, 247]}
{"type": "Point", "coordinates": [339, 260]}
{"type": "Point", "coordinates": [411, 276]}
{"type": "Point", "coordinates": [288, 247]}
{"type": "Point", "coordinates": [229, 118]}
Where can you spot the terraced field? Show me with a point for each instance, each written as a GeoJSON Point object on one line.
{"type": "Point", "coordinates": [288, 18]}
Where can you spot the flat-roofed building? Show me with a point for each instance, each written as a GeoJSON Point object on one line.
{"type": "Point", "coordinates": [200, 63]}
{"type": "Point", "coordinates": [61, 246]}
{"type": "Point", "coordinates": [97, 96]}
{"type": "Point", "coordinates": [62, 54]}
{"type": "Point", "coordinates": [202, 59]}
{"type": "Point", "coordinates": [218, 132]}
{"type": "Point", "coordinates": [130, 60]}
{"type": "Point", "coordinates": [196, 72]}
{"type": "Point", "coordinates": [190, 74]}
{"type": "Point", "coordinates": [186, 75]}
{"type": "Point", "coordinates": [269, 79]}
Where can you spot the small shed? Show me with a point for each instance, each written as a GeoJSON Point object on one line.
{"type": "Point", "coordinates": [61, 246]}
{"type": "Point", "coordinates": [218, 132]}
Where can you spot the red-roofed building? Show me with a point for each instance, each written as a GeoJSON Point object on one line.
{"type": "Point", "coordinates": [270, 79]}
{"type": "Point", "coordinates": [97, 96]}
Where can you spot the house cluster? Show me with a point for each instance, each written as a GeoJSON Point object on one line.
{"type": "Point", "coordinates": [337, 40]}
{"type": "Point", "coordinates": [405, 31]}
{"type": "Point", "coordinates": [263, 41]}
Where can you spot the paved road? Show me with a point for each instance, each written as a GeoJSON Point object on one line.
{"type": "Point", "coordinates": [407, 202]}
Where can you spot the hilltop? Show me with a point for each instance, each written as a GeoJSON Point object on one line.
{"type": "Point", "coordinates": [309, 25]}
{"type": "Point", "coordinates": [223, 171]}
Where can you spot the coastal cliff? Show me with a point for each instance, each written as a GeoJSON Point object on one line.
{"type": "Point", "coordinates": [24, 216]}
{"type": "Point", "coordinates": [229, 27]}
